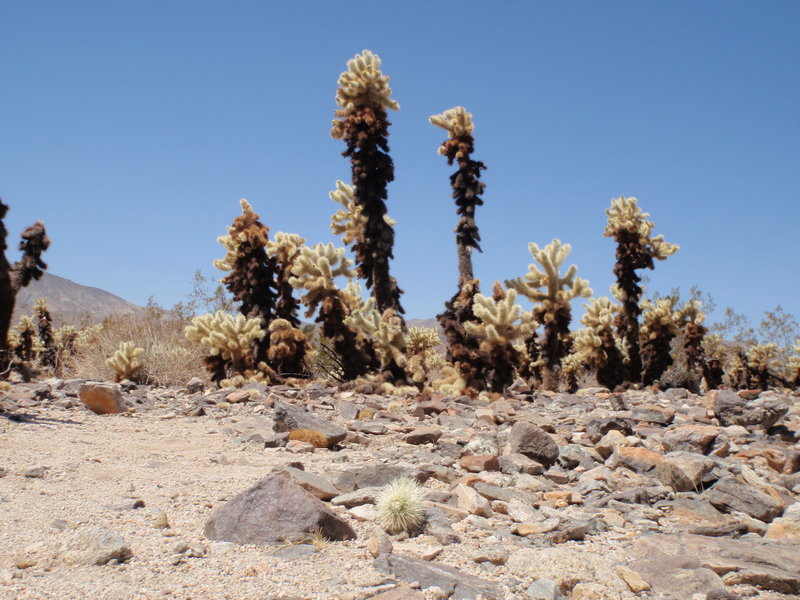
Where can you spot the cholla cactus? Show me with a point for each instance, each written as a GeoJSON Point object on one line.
{"type": "Point", "coordinates": [251, 273]}
{"type": "Point", "coordinates": [463, 349]}
{"type": "Point", "coordinates": [690, 319]}
{"type": "Point", "coordinates": [125, 362]}
{"type": "Point", "coordinates": [794, 365]}
{"type": "Point", "coordinates": [283, 251]}
{"type": "Point", "coordinates": [423, 359]}
{"type": "Point", "coordinates": [361, 122]}
{"type": "Point", "coordinates": [660, 325]}
{"type": "Point", "coordinates": [25, 342]}
{"type": "Point", "coordinates": [571, 367]}
{"type": "Point", "coordinates": [715, 353]}
{"type": "Point", "coordinates": [15, 276]}
{"type": "Point", "coordinates": [596, 342]}
{"type": "Point", "coordinates": [636, 249]}
{"type": "Point", "coordinates": [230, 341]}
{"type": "Point", "coordinates": [386, 331]}
{"type": "Point", "coordinates": [314, 271]}
{"type": "Point", "coordinates": [762, 364]}
{"type": "Point", "coordinates": [45, 323]}
{"type": "Point", "coordinates": [501, 322]}
{"type": "Point", "coordinates": [401, 506]}
{"type": "Point", "coordinates": [552, 293]}
{"type": "Point", "coordinates": [287, 348]}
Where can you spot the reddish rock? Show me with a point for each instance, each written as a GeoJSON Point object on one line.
{"type": "Point", "coordinates": [534, 442]}
{"type": "Point", "coordinates": [101, 398]}
{"type": "Point", "coordinates": [423, 435]}
{"type": "Point", "coordinates": [637, 459]}
{"type": "Point", "coordinates": [478, 463]}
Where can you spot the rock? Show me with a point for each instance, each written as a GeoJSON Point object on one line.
{"type": "Point", "coordinates": [605, 446]}
{"type": "Point", "coordinates": [690, 438]}
{"type": "Point", "coordinates": [375, 475]}
{"type": "Point", "coordinates": [160, 521]}
{"type": "Point", "coordinates": [319, 487]}
{"type": "Point", "coordinates": [94, 546]}
{"type": "Point", "coordinates": [289, 418]}
{"type": "Point", "coordinates": [379, 543]}
{"type": "Point", "coordinates": [651, 413]}
{"type": "Point", "coordinates": [471, 501]}
{"type": "Point", "coordinates": [729, 494]}
{"type": "Point", "coordinates": [272, 511]}
{"type": "Point", "coordinates": [357, 497]}
{"type": "Point", "coordinates": [570, 532]}
{"type": "Point", "coordinates": [481, 462]}
{"type": "Point", "coordinates": [731, 409]}
{"type": "Point", "coordinates": [638, 459]}
{"type": "Point", "coordinates": [401, 592]}
{"type": "Point", "coordinates": [35, 472]}
{"type": "Point", "coordinates": [195, 385]}
{"type": "Point", "coordinates": [423, 435]}
{"type": "Point", "coordinates": [632, 579]}
{"type": "Point", "coordinates": [787, 526]}
{"type": "Point", "coordinates": [496, 555]}
{"type": "Point", "coordinates": [456, 584]}
{"type": "Point", "coordinates": [686, 471]}
{"type": "Point", "coordinates": [600, 427]}
{"type": "Point", "coordinates": [519, 463]}
{"type": "Point", "coordinates": [101, 398]}
{"type": "Point", "coordinates": [534, 442]}
{"type": "Point", "coordinates": [522, 512]}
{"type": "Point", "coordinates": [680, 565]}
{"type": "Point", "coordinates": [544, 589]}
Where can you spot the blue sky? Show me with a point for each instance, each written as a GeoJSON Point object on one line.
{"type": "Point", "coordinates": [133, 128]}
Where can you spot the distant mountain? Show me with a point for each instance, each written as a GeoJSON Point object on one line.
{"type": "Point", "coordinates": [69, 302]}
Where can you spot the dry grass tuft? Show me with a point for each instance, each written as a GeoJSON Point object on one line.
{"type": "Point", "coordinates": [315, 438]}
{"type": "Point", "coordinates": [168, 358]}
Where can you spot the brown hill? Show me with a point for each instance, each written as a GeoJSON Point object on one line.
{"type": "Point", "coordinates": [70, 302]}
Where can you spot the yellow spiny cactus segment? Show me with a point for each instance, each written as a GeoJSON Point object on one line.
{"type": "Point", "coordinates": [572, 363]}
{"type": "Point", "coordinates": [457, 121]}
{"type": "Point", "coordinates": [363, 84]}
{"type": "Point", "coordinates": [714, 347]}
{"type": "Point", "coordinates": [794, 360]}
{"type": "Point", "coordinates": [499, 319]}
{"type": "Point", "coordinates": [692, 312]}
{"type": "Point", "coordinates": [626, 215]}
{"type": "Point", "coordinates": [125, 361]}
{"type": "Point", "coordinates": [546, 285]}
{"type": "Point", "coordinates": [318, 266]}
{"type": "Point", "coordinates": [599, 317]}
{"type": "Point", "coordinates": [659, 317]}
{"type": "Point", "coordinates": [420, 339]}
{"type": "Point", "coordinates": [385, 329]}
{"type": "Point", "coordinates": [587, 342]}
{"type": "Point", "coordinates": [285, 248]}
{"type": "Point", "coordinates": [235, 238]}
{"type": "Point", "coordinates": [349, 221]}
{"type": "Point", "coordinates": [224, 334]}
{"type": "Point", "coordinates": [40, 308]}
{"type": "Point", "coordinates": [763, 355]}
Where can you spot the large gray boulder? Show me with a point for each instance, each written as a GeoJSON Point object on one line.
{"type": "Point", "coordinates": [275, 510]}
{"type": "Point", "coordinates": [532, 441]}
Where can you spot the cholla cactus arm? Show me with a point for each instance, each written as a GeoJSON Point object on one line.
{"type": "Point", "coordinates": [361, 121]}
{"type": "Point", "coordinates": [125, 361]}
{"type": "Point", "coordinates": [348, 221]}
{"type": "Point", "coordinates": [386, 331]}
{"type": "Point", "coordinates": [552, 293]}
{"type": "Point", "coordinates": [421, 339]}
{"type": "Point", "coordinates": [288, 347]}
{"type": "Point", "coordinates": [597, 343]}
{"type": "Point", "coordinates": [46, 335]}
{"type": "Point", "coordinates": [315, 269]}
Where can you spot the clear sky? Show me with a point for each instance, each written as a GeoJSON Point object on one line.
{"type": "Point", "coordinates": [132, 128]}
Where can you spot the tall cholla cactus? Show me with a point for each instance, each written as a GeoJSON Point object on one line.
{"type": "Point", "coordinates": [283, 251]}
{"type": "Point", "coordinates": [287, 348]}
{"type": "Point", "coordinates": [597, 344]}
{"type": "Point", "coordinates": [125, 362]}
{"type": "Point", "coordinates": [251, 272]}
{"type": "Point", "coordinates": [498, 329]}
{"type": "Point", "coordinates": [362, 123]}
{"type": "Point", "coordinates": [715, 352]}
{"type": "Point", "coordinates": [551, 294]}
{"type": "Point", "coordinates": [636, 249]}
{"type": "Point", "coordinates": [659, 328]}
{"type": "Point", "coordinates": [15, 276]}
{"type": "Point", "coordinates": [314, 271]}
{"type": "Point", "coordinates": [423, 358]}
{"type": "Point", "coordinates": [691, 318]}
{"type": "Point", "coordinates": [387, 332]}
{"type": "Point", "coordinates": [45, 323]}
{"type": "Point", "coordinates": [463, 349]}
{"type": "Point", "coordinates": [230, 340]}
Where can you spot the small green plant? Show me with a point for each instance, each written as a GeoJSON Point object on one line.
{"type": "Point", "coordinates": [401, 506]}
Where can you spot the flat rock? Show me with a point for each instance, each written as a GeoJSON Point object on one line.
{"type": "Point", "coordinates": [732, 409]}
{"type": "Point", "coordinates": [423, 435]}
{"type": "Point", "coordinates": [274, 510]}
{"type": "Point", "coordinates": [686, 471]}
{"type": "Point", "coordinates": [319, 487]}
{"type": "Point", "coordinates": [480, 462]}
{"type": "Point", "coordinates": [456, 584]}
{"type": "Point", "coordinates": [690, 438]}
{"type": "Point", "coordinates": [638, 459]}
{"type": "Point", "coordinates": [651, 413]}
{"type": "Point", "coordinates": [729, 494]}
{"type": "Point", "coordinates": [102, 398]}
{"type": "Point", "coordinates": [93, 546]}
{"type": "Point", "coordinates": [375, 475]}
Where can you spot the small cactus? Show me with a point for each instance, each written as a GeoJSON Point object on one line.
{"type": "Point", "coordinates": [125, 361]}
{"type": "Point", "coordinates": [401, 506]}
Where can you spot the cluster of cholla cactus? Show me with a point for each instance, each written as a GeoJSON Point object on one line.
{"type": "Point", "coordinates": [15, 276]}
{"type": "Point", "coordinates": [597, 345]}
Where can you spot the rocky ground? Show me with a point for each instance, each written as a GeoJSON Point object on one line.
{"type": "Point", "coordinates": [212, 494]}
